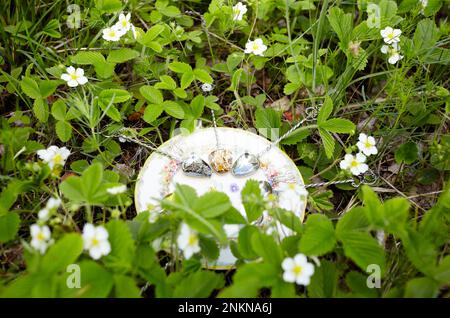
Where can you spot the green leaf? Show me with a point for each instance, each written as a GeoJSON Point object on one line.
{"type": "Point", "coordinates": [152, 112]}
{"type": "Point", "coordinates": [186, 79]}
{"type": "Point", "coordinates": [212, 204]}
{"type": "Point", "coordinates": [173, 109]}
{"type": "Point", "coordinates": [266, 247]}
{"type": "Point", "coordinates": [30, 88]}
{"type": "Point", "coordinates": [268, 122]}
{"type": "Point", "coordinates": [324, 281]}
{"type": "Point", "coordinates": [342, 24]}
{"type": "Point", "coordinates": [252, 200]}
{"type": "Point", "coordinates": [47, 87]}
{"type": "Point", "coordinates": [319, 237]}
{"type": "Point", "coordinates": [357, 282]}
{"type": "Point", "coordinates": [420, 251]}
{"type": "Point", "coordinates": [325, 110]}
{"type": "Point", "coordinates": [407, 153]}
{"type": "Point", "coordinates": [63, 253]}
{"type": "Point", "coordinates": [203, 76]}
{"type": "Point", "coordinates": [9, 226]}
{"type": "Point", "coordinates": [151, 94]}
{"type": "Point", "coordinates": [353, 220]}
{"type": "Point", "coordinates": [425, 36]}
{"type": "Point", "coordinates": [91, 180]}
{"type": "Point", "coordinates": [363, 249]}
{"type": "Point", "coordinates": [328, 142]}
{"type": "Point", "coordinates": [338, 125]}
{"type": "Point", "coordinates": [95, 282]}
{"type": "Point", "coordinates": [88, 58]}
{"type": "Point", "coordinates": [180, 67]}
{"type": "Point", "coordinates": [122, 55]}
{"type": "Point", "coordinates": [59, 110]}
{"type": "Point", "coordinates": [125, 287]}
{"type": "Point", "coordinates": [245, 243]}
{"type": "Point", "coordinates": [40, 110]}
{"type": "Point", "coordinates": [63, 130]}
{"type": "Point", "coordinates": [422, 287]}
{"type": "Point", "coordinates": [204, 282]}
{"type": "Point", "coordinates": [151, 34]}
{"type": "Point", "coordinates": [167, 82]}
{"type": "Point", "coordinates": [108, 6]}
{"type": "Point", "coordinates": [197, 105]}
{"type": "Point", "coordinates": [114, 96]}
{"type": "Point", "coordinates": [122, 245]}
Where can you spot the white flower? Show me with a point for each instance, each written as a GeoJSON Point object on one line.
{"type": "Point", "coordinates": [297, 270]}
{"type": "Point", "coordinates": [124, 23]}
{"type": "Point", "coordinates": [256, 47]}
{"type": "Point", "coordinates": [238, 11]}
{"type": "Point", "coordinates": [423, 4]}
{"type": "Point", "coordinates": [40, 237]}
{"type": "Point", "coordinates": [188, 241]}
{"type": "Point", "coordinates": [366, 145]}
{"type": "Point", "coordinates": [394, 55]}
{"type": "Point", "coordinates": [134, 32]}
{"type": "Point", "coordinates": [394, 58]}
{"type": "Point", "coordinates": [207, 87]}
{"type": "Point", "coordinates": [117, 190]}
{"type": "Point", "coordinates": [44, 214]}
{"type": "Point", "coordinates": [373, 21]}
{"type": "Point", "coordinates": [54, 156]}
{"type": "Point", "coordinates": [95, 240]}
{"type": "Point", "coordinates": [53, 203]}
{"type": "Point", "coordinates": [355, 164]}
{"type": "Point", "coordinates": [292, 197]}
{"type": "Point", "coordinates": [391, 35]}
{"type": "Point", "coordinates": [74, 77]}
{"type": "Point", "coordinates": [113, 33]}
{"type": "Point", "coordinates": [373, 10]}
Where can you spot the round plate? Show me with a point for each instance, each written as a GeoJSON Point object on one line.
{"type": "Point", "coordinates": [159, 175]}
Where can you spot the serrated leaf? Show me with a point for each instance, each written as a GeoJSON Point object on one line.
{"type": "Point", "coordinates": [328, 142]}
{"type": "Point", "coordinates": [59, 110]}
{"type": "Point", "coordinates": [63, 130]}
{"type": "Point", "coordinates": [122, 55]}
{"type": "Point", "coordinates": [180, 67]}
{"type": "Point", "coordinates": [9, 226]}
{"type": "Point", "coordinates": [152, 94]}
{"type": "Point", "coordinates": [152, 112]}
{"type": "Point", "coordinates": [203, 76]}
{"type": "Point", "coordinates": [197, 105]}
{"type": "Point", "coordinates": [63, 253]}
{"type": "Point", "coordinates": [40, 110]}
{"type": "Point", "coordinates": [88, 58]}
{"type": "Point", "coordinates": [167, 82]}
{"type": "Point", "coordinates": [212, 204]}
{"type": "Point", "coordinates": [325, 110]}
{"type": "Point", "coordinates": [338, 125]}
{"type": "Point", "coordinates": [30, 88]}
{"type": "Point", "coordinates": [186, 80]}
{"type": "Point", "coordinates": [173, 109]}
{"type": "Point", "coordinates": [319, 237]}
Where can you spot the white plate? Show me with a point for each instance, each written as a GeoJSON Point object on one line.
{"type": "Point", "coordinates": [160, 174]}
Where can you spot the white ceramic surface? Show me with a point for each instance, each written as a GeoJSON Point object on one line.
{"type": "Point", "coordinates": [160, 174]}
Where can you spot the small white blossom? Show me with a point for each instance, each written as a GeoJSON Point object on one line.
{"type": "Point", "coordinates": [124, 23]}
{"type": "Point", "coordinates": [54, 156]}
{"type": "Point", "coordinates": [289, 194]}
{"type": "Point", "coordinates": [95, 240]}
{"type": "Point", "coordinates": [297, 270]}
{"type": "Point", "coordinates": [44, 214]}
{"type": "Point", "coordinates": [117, 190]}
{"type": "Point", "coordinates": [393, 52]}
{"type": "Point", "coordinates": [188, 241]}
{"type": "Point", "coordinates": [256, 47]}
{"type": "Point", "coordinates": [238, 11]}
{"type": "Point", "coordinates": [74, 77]}
{"type": "Point", "coordinates": [53, 203]}
{"type": "Point", "coordinates": [134, 32]}
{"type": "Point", "coordinates": [391, 35]}
{"type": "Point", "coordinates": [113, 33]}
{"type": "Point", "coordinates": [373, 10]}
{"type": "Point", "coordinates": [207, 87]}
{"type": "Point", "coordinates": [366, 145]}
{"type": "Point", "coordinates": [40, 237]}
{"type": "Point", "coordinates": [355, 164]}
{"type": "Point", "coordinates": [423, 4]}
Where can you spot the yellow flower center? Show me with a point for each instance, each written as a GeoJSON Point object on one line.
{"type": "Point", "coordinates": [40, 236]}
{"type": "Point", "coordinates": [390, 35]}
{"type": "Point", "coordinates": [124, 23]}
{"type": "Point", "coordinates": [57, 159]}
{"type": "Point", "coordinates": [192, 239]}
{"type": "Point", "coordinates": [291, 186]}
{"type": "Point", "coordinates": [354, 163]}
{"type": "Point", "coordinates": [255, 46]}
{"type": "Point", "coordinates": [95, 242]}
{"type": "Point", "coordinates": [112, 33]}
{"type": "Point", "coordinates": [297, 269]}
{"type": "Point", "coordinates": [367, 144]}
{"type": "Point", "coordinates": [73, 76]}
